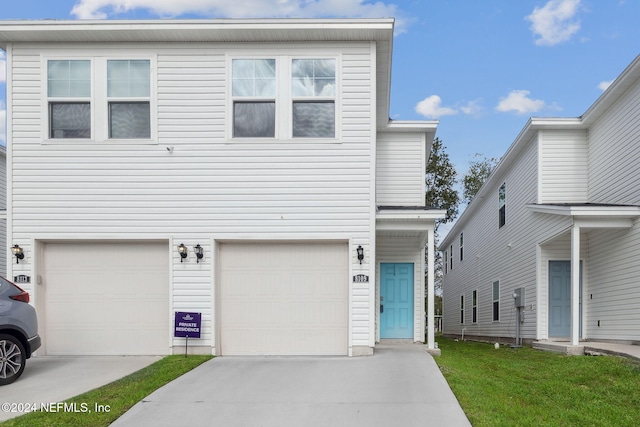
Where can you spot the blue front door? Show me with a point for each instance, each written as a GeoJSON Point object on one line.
{"type": "Point", "coordinates": [396, 300]}
{"type": "Point", "coordinates": [560, 299]}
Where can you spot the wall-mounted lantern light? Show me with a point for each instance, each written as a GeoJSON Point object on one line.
{"type": "Point", "coordinates": [18, 252]}
{"type": "Point", "coordinates": [199, 251]}
{"type": "Point", "coordinates": [360, 252]}
{"type": "Point", "coordinates": [182, 250]}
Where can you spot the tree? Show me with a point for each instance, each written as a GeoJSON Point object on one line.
{"type": "Point", "coordinates": [440, 181]}
{"type": "Point", "coordinates": [479, 170]}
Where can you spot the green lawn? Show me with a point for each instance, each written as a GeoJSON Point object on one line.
{"type": "Point", "coordinates": [116, 398]}
{"type": "Point", "coordinates": [527, 387]}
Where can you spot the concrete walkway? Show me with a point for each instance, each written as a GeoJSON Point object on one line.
{"type": "Point", "coordinates": [400, 385]}
{"type": "Point", "coordinates": [589, 347]}
{"type": "Point", "coordinates": [50, 379]}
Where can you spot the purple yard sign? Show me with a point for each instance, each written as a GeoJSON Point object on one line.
{"type": "Point", "coordinates": [187, 325]}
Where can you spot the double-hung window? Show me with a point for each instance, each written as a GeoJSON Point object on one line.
{"type": "Point", "coordinates": [502, 218]}
{"type": "Point", "coordinates": [474, 307]}
{"type": "Point", "coordinates": [313, 92]}
{"type": "Point", "coordinates": [99, 99]}
{"type": "Point", "coordinates": [462, 309]}
{"type": "Point", "coordinates": [128, 98]}
{"type": "Point", "coordinates": [283, 97]}
{"type": "Point", "coordinates": [496, 301]}
{"type": "Point", "coordinates": [254, 98]}
{"type": "Point", "coordinates": [69, 98]}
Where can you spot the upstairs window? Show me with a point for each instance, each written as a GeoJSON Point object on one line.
{"type": "Point", "coordinates": [128, 97]}
{"type": "Point", "coordinates": [99, 99]}
{"type": "Point", "coordinates": [446, 262]}
{"type": "Point", "coordinates": [461, 246]}
{"type": "Point", "coordinates": [69, 98]}
{"type": "Point", "coordinates": [313, 91]}
{"type": "Point", "coordinates": [254, 98]}
{"type": "Point", "coordinates": [501, 205]}
{"type": "Point", "coordinates": [451, 258]}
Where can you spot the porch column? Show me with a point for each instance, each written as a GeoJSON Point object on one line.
{"type": "Point", "coordinates": [575, 285]}
{"type": "Point", "coordinates": [431, 291]}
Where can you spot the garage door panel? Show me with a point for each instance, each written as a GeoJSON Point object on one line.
{"type": "Point", "coordinates": [291, 299]}
{"type": "Point", "coordinates": [106, 298]}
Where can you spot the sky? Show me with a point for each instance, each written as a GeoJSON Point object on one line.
{"type": "Point", "coordinates": [480, 67]}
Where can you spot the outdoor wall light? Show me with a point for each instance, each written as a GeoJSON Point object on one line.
{"type": "Point", "coordinates": [360, 252]}
{"type": "Point", "coordinates": [199, 251]}
{"type": "Point", "coordinates": [18, 252]}
{"type": "Point", "coordinates": [182, 250]}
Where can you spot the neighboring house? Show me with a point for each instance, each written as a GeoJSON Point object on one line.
{"type": "Point", "coordinates": [3, 210]}
{"type": "Point", "coordinates": [559, 218]}
{"type": "Point", "coordinates": [266, 144]}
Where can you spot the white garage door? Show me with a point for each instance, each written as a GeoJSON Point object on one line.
{"type": "Point", "coordinates": [284, 299]}
{"type": "Point", "coordinates": [106, 299]}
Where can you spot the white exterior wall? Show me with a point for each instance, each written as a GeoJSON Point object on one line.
{"type": "Point", "coordinates": [400, 167]}
{"type": "Point", "coordinates": [563, 174]}
{"type": "Point", "coordinates": [508, 254]}
{"type": "Point", "coordinates": [614, 152]}
{"type": "Point", "coordinates": [403, 250]}
{"type": "Point", "coordinates": [614, 177]}
{"type": "Point", "coordinates": [208, 187]}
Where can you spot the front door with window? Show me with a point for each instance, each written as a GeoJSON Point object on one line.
{"type": "Point", "coordinates": [396, 300]}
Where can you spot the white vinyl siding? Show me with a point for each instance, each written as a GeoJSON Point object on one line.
{"type": "Point", "coordinates": [191, 184]}
{"type": "Point", "coordinates": [564, 167]}
{"type": "Point", "coordinates": [614, 152]}
{"type": "Point", "coordinates": [400, 169]}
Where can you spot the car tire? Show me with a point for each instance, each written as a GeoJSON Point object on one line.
{"type": "Point", "coordinates": [12, 359]}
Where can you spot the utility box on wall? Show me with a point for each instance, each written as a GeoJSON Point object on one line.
{"type": "Point", "coordinates": [518, 297]}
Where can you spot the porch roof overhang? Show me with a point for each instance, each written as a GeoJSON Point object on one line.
{"type": "Point", "coordinates": [592, 215]}
{"type": "Point", "coordinates": [407, 221]}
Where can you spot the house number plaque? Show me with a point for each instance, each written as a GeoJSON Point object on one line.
{"type": "Point", "coordinates": [360, 278]}
{"type": "Point", "coordinates": [22, 279]}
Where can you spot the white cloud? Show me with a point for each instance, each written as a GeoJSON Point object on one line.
{"type": "Point", "coordinates": [604, 85]}
{"type": "Point", "coordinates": [555, 22]}
{"type": "Point", "coordinates": [473, 108]}
{"type": "Point", "coordinates": [3, 67]}
{"type": "Point", "coordinates": [519, 101]}
{"type": "Point", "coordinates": [431, 108]}
{"type": "Point", "coordinates": [103, 9]}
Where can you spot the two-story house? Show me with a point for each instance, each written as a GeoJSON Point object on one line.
{"type": "Point", "coordinates": [558, 220]}
{"type": "Point", "coordinates": [246, 170]}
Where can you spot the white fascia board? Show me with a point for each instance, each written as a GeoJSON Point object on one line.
{"type": "Point", "coordinates": [400, 215]}
{"type": "Point", "coordinates": [197, 30]}
{"type": "Point", "coordinates": [411, 126]}
{"type": "Point", "coordinates": [589, 211]}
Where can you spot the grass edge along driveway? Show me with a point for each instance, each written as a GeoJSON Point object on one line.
{"type": "Point", "coordinates": [527, 387]}
{"type": "Point", "coordinates": [118, 396]}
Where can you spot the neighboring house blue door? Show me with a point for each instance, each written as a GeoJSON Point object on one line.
{"type": "Point", "coordinates": [560, 299]}
{"type": "Point", "coordinates": [396, 300]}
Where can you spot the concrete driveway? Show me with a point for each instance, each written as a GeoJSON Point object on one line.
{"type": "Point", "coordinates": [400, 385]}
{"type": "Point", "coordinates": [51, 379]}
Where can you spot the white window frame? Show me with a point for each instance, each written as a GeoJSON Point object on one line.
{"type": "Point", "coordinates": [502, 205]}
{"type": "Point", "coordinates": [495, 300]}
{"type": "Point", "coordinates": [99, 101]}
{"type": "Point", "coordinates": [474, 306]}
{"type": "Point", "coordinates": [284, 99]}
{"type": "Point", "coordinates": [462, 319]}
{"type": "Point", "coordinates": [461, 241]}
